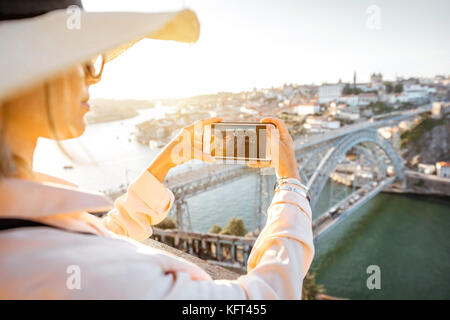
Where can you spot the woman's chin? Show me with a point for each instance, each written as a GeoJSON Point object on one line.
{"type": "Point", "coordinates": [70, 132]}
{"type": "Point", "coordinates": [78, 131]}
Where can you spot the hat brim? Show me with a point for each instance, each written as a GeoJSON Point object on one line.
{"type": "Point", "coordinates": [38, 48]}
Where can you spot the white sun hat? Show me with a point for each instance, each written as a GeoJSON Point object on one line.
{"type": "Point", "coordinates": [34, 49]}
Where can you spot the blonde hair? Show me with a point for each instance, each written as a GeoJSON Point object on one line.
{"type": "Point", "coordinates": [8, 161]}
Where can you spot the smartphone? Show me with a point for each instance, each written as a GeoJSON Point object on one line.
{"type": "Point", "coordinates": [237, 141]}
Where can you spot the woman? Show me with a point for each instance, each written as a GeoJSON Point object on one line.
{"type": "Point", "coordinates": [47, 236]}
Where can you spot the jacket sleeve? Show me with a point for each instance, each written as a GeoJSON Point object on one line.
{"type": "Point", "coordinates": [280, 258]}
{"type": "Point", "coordinates": [146, 203]}
{"type": "Point", "coordinates": [283, 252]}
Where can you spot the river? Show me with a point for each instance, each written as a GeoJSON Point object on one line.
{"type": "Point", "coordinates": [406, 236]}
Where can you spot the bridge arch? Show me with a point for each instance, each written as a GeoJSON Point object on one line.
{"type": "Point", "coordinates": [337, 152]}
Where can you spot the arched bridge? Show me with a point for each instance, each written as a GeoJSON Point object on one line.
{"type": "Point", "coordinates": [317, 165]}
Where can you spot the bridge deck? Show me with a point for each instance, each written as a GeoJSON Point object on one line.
{"type": "Point", "coordinates": [327, 221]}
{"type": "Point", "coordinates": [198, 174]}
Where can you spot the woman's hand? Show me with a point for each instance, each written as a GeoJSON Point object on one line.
{"type": "Point", "coordinates": [185, 146]}
{"type": "Point", "coordinates": [282, 150]}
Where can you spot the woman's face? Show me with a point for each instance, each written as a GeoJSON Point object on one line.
{"type": "Point", "coordinates": [68, 94]}
{"type": "Point", "coordinates": [54, 109]}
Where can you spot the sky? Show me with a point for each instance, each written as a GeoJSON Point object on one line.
{"type": "Point", "coordinates": [246, 44]}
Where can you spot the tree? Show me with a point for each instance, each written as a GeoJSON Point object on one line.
{"type": "Point", "coordinates": [167, 223]}
{"type": "Point", "coordinates": [389, 87]}
{"type": "Point", "coordinates": [379, 107]}
{"type": "Point", "coordinates": [215, 229]}
{"type": "Point", "coordinates": [235, 227]}
{"type": "Point", "coordinates": [349, 90]}
{"type": "Point", "coordinates": [311, 289]}
{"type": "Point", "coordinates": [398, 88]}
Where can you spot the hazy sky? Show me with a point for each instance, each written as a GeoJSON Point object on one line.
{"type": "Point", "coordinates": [245, 44]}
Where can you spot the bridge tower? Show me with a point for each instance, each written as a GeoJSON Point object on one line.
{"type": "Point", "coordinates": [263, 179]}
{"type": "Point", "coordinates": [183, 216]}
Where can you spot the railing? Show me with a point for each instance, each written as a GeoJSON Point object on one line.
{"type": "Point", "coordinates": [188, 184]}
{"type": "Point", "coordinates": [228, 251]}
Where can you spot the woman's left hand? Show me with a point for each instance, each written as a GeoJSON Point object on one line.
{"type": "Point", "coordinates": [186, 145]}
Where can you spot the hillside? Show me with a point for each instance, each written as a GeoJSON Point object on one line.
{"type": "Point", "coordinates": [427, 142]}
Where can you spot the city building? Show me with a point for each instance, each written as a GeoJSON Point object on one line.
{"type": "Point", "coordinates": [376, 79]}
{"type": "Point", "coordinates": [393, 135]}
{"type": "Point", "coordinates": [364, 87]}
{"type": "Point", "coordinates": [347, 115]}
{"type": "Point", "coordinates": [333, 108]}
{"type": "Point", "coordinates": [412, 96]}
{"type": "Point", "coordinates": [438, 79]}
{"type": "Point", "coordinates": [305, 108]}
{"type": "Point", "coordinates": [419, 88]}
{"type": "Point", "coordinates": [436, 110]}
{"type": "Point", "coordinates": [365, 99]}
{"type": "Point", "coordinates": [443, 169]}
{"type": "Point", "coordinates": [319, 124]}
{"type": "Point", "coordinates": [351, 100]}
{"type": "Point", "coordinates": [426, 168]}
{"type": "Point", "coordinates": [248, 110]}
{"type": "Point", "coordinates": [329, 92]}
{"type": "Point", "coordinates": [439, 109]}
{"type": "Point", "coordinates": [406, 124]}
{"type": "Point", "coordinates": [376, 82]}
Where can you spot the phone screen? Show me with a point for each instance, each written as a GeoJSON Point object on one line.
{"type": "Point", "coordinates": [237, 141]}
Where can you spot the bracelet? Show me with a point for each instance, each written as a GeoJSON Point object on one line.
{"type": "Point", "coordinates": [282, 181]}
{"type": "Point", "coordinates": [297, 190]}
{"type": "Point", "coordinates": [280, 185]}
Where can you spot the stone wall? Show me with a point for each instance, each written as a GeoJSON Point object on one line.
{"type": "Point", "coordinates": [216, 272]}
{"type": "Point", "coordinates": [419, 183]}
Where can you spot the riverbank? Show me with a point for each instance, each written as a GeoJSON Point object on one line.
{"type": "Point", "coordinates": [422, 184]}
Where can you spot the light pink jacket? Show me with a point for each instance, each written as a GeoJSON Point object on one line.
{"type": "Point", "coordinates": [41, 262]}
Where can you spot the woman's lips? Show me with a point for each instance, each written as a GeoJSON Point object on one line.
{"type": "Point", "coordinates": [86, 105]}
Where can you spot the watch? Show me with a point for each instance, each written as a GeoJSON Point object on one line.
{"type": "Point", "coordinates": [280, 184]}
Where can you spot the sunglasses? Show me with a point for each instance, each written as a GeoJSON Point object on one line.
{"type": "Point", "coordinates": [93, 68]}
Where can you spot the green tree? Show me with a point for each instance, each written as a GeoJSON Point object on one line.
{"type": "Point", "coordinates": [311, 289]}
{"type": "Point", "coordinates": [379, 107]}
{"type": "Point", "coordinates": [235, 227]}
{"type": "Point", "coordinates": [351, 90]}
{"type": "Point", "coordinates": [389, 87]}
{"type": "Point", "coordinates": [398, 88]}
{"type": "Point", "coordinates": [215, 229]}
{"type": "Point", "coordinates": [347, 90]}
{"type": "Point", "coordinates": [167, 223]}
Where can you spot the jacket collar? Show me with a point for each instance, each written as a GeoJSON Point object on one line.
{"type": "Point", "coordinates": [46, 197]}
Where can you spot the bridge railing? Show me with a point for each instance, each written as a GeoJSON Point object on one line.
{"type": "Point", "coordinates": [229, 251]}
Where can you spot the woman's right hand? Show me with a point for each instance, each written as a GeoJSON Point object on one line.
{"type": "Point", "coordinates": [282, 150]}
{"type": "Point", "coordinates": [185, 146]}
